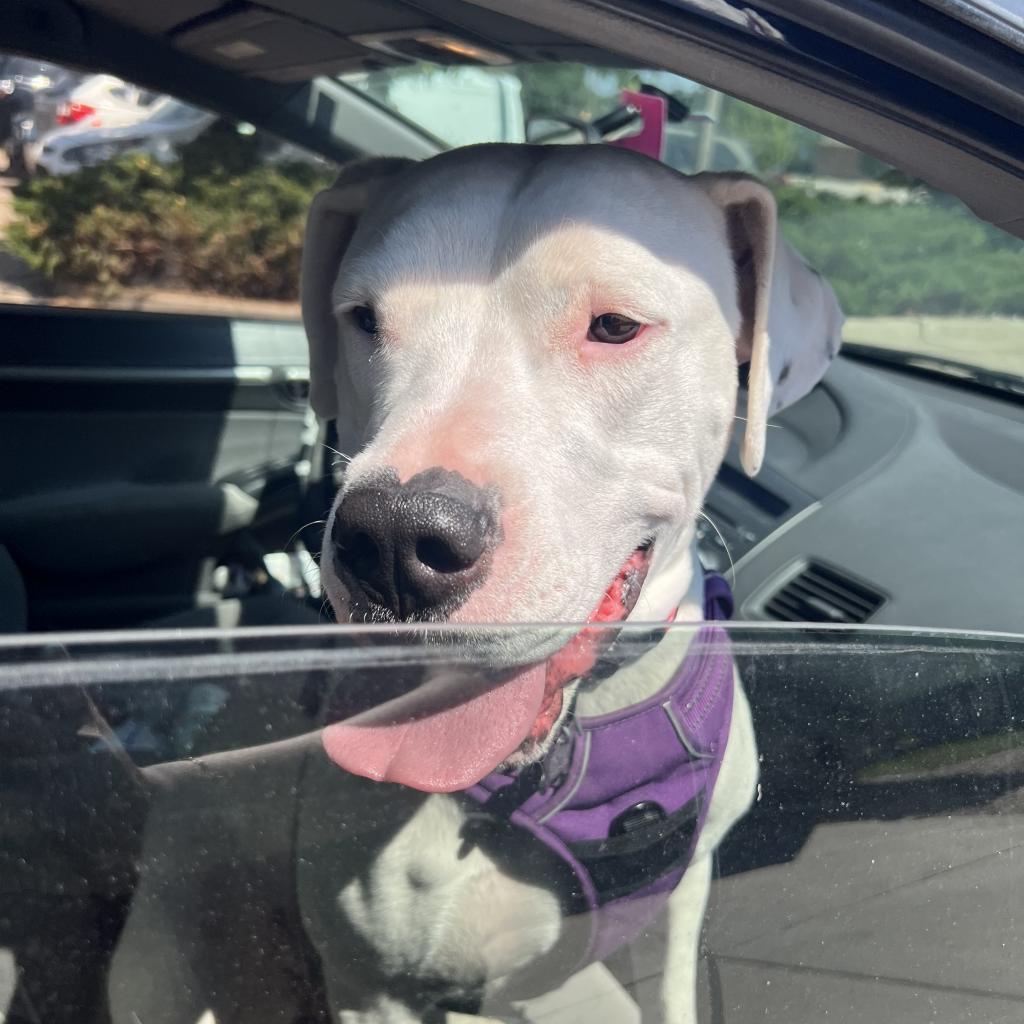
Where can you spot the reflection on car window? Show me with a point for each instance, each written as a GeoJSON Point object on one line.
{"type": "Point", "coordinates": [171, 810]}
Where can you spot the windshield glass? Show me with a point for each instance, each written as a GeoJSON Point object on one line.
{"type": "Point", "coordinates": [180, 843]}
{"type": "Point", "coordinates": [914, 269]}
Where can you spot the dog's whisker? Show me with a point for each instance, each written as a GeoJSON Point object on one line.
{"type": "Point", "coordinates": [772, 426]}
{"type": "Point", "coordinates": [305, 526]}
{"type": "Point", "coordinates": [341, 455]}
{"type": "Point", "coordinates": [710, 522]}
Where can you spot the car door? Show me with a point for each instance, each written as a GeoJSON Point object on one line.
{"type": "Point", "coordinates": [138, 450]}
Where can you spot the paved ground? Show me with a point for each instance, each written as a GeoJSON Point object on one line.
{"type": "Point", "coordinates": [909, 922]}
{"type": "Point", "coordinates": [916, 920]}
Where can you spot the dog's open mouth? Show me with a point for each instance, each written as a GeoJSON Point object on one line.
{"type": "Point", "coordinates": [429, 741]}
{"type": "Point", "coordinates": [578, 656]}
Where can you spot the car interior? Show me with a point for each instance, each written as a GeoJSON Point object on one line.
{"type": "Point", "coordinates": [143, 450]}
{"type": "Point", "coordinates": [161, 468]}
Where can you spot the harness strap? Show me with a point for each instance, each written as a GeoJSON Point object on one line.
{"type": "Point", "coordinates": [643, 844]}
{"type": "Point", "coordinates": [620, 799]}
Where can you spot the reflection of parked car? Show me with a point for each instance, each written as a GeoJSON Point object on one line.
{"type": "Point", "coordinates": [24, 84]}
{"type": "Point", "coordinates": [168, 124]}
{"type": "Point", "coordinates": [98, 101]}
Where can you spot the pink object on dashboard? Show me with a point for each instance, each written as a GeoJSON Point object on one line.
{"type": "Point", "coordinates": [650, 140]}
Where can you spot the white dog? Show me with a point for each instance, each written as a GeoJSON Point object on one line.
{"type": "Point", "coordinates": [531, 354]}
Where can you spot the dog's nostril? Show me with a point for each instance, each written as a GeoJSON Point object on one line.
{"type": "Point", "coordinates": [437, 554]}
{"type": "Point", "coordinates": [362, 554]}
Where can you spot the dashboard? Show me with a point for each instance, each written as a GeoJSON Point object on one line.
{"type": "Point", "coordinates": [885, 497]}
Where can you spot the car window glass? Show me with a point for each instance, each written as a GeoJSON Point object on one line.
{"type": "Point", "coordinates": [882, 847]}
{"type": "Point", "coordinates": [193, 820]}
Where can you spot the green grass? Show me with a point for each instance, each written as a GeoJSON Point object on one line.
{"type": "Point", "coordinates": [928, 258]}
{"type": "Point", "coordinates": [993, 343]}
{"type": "Point", "coordinates": [931, 758]}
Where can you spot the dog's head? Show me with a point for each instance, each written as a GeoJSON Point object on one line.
{"type": "Point", "coordinates": [531, 356]}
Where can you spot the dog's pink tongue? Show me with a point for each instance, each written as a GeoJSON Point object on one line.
{"type": "Point", "coordinates": [443, 751]}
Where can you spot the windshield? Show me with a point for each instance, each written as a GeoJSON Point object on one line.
{"type": "Point", "coordinates": [180, 844]}
{"type": "Point", "coordinates": [915, 271]}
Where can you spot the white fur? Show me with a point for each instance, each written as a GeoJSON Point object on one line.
{"type": "Point", "coordinates": [484, 267]}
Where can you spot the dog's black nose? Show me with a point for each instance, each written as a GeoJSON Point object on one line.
{"type": "Point", "coordinates": [415, 550]}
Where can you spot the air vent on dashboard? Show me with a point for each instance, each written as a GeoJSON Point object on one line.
{"type": "Point", "coordinates": [819, 593]}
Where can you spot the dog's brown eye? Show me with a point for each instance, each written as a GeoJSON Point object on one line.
{"type": "Point", "coordinates": [612, 329]}
{"type": "Point", "coordinates": [365, 318]}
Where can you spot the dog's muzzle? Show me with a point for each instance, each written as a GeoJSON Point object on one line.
{"type": "Point", "coordinates": [414, 551]}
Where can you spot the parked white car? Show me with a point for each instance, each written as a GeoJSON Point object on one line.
{"type": "Point", "coordinates": [104, 101]}
{"type": "Point", "coordinates": [96, 101]}
{"type": "Point", "coordinates": [166, 125]}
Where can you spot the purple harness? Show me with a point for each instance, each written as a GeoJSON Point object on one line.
{"type": "Point", "coordinates": [621, 799]}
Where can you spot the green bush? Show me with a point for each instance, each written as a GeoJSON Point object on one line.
{"type": "Point", "coordinates": [218, 220]}
{"type": "Point", "coordinates": [930, 256]}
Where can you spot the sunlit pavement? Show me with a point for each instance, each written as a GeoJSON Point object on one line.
{"type": "Point", "coordinates": [14, 275]}
{"type": "Point", "coordinates": [6, 201]}
{"type": "Point", "coordinates": [909, 921]}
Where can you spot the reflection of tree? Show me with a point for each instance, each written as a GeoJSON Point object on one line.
{"type": "Point", "coordinates": [571, 90]}
{"type": "Point", "coordinates": [776, 144]}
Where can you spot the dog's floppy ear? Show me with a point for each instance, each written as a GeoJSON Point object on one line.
{"type": "Point", "coordinates": [333, 217]}
{"type": "Point", "coordinates": [790, 320]}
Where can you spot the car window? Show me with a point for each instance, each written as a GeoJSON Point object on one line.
{"type": "Point", "coordinates": [915, 271]}
{"type": "Point", "coordinates": [197, 827]}
{"type": "Point", "coordinates": [460, 106]}
{"type": "Point", "coordinates": [113, 196]}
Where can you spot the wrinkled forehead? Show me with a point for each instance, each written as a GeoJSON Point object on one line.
{"type": "Point", "coordinates": [471, 214]}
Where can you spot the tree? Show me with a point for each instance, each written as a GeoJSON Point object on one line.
{"type": "Point", "coordinates": [571, 90]}
{"type": "Point", "coordinates": [773, 141]}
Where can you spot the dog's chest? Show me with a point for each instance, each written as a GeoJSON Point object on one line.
{"type": "Point", "coordinates": [425, 904]}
